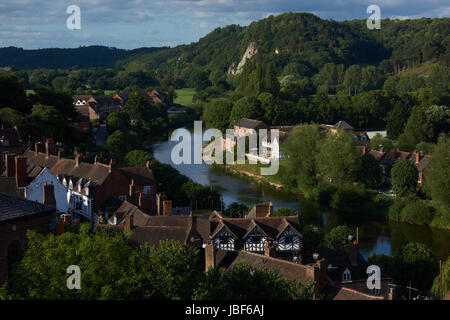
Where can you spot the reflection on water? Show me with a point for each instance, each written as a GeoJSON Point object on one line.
{"type": "Point", "coordinates": [374, 236]}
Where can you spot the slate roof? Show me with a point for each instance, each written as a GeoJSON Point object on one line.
{"type": "Point", "coordinates": [8, 185]}
{"type": "Point", "coordinates": [343, 125]}
{"type": "Point", "coordinates": [249, 123]}
{"type": "Point", "coordinates": [142, 175]}
{"type": "Point", "coordinates": [12, 207]}
{"type": "Point", "coordinates": [338, 260]}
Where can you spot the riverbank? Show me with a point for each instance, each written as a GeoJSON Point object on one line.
{"type": "Point", "coordinates": [354, 199]}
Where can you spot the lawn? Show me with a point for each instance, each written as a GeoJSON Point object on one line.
{"type": "Point", "coordinates": [184, 96]}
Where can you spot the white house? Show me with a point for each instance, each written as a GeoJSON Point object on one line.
{"type": "Point", "coordinates": [35, 190]}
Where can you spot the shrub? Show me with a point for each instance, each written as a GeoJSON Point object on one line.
{"type": "Point", "coordinates": [349, 198]}
{"type": "Point", "coordinates": [417, 212]}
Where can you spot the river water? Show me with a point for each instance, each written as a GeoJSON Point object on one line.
{"type": "Point", "coordinates": [374, 236]}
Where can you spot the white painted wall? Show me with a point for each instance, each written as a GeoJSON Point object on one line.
{"type": "Point", "coordinates": [35, 191]}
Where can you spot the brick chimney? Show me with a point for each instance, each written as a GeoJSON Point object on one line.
{"type": "Point", "coordinates": [39, 147]}
{"type": "Point", "coordinates": [269, 250]}
{"type": "Point", "coordinates": [147, 164]}
{"type": "Point", "coordinates": [161, 198]}
{"type": "Point", "coordinates": [264, 210]}
{"type": "Point", "coordinates": [60, 227]}
{"type": "Point", "coordinates": [49, 195]}
{"type": "Point", "coordinates": [129, 223]}
{"type": "Point", "coordinates": [210, 256]}
{"type": "Point", "coordinates": [146, 203]}
{"type": "Point", "coordinates": [417, 154]}
{"type": "Point", "coordinates": [95, 159]}
{"type": "Point", "coordinates": [132, 190]}
{"type": "Point", "coordinates": [391, 294]}
{"type": "Point", "coordinates": [320, 272]}
{"type": "Point", "coordinates": [21, 172]}
{"type": "Point", "coordinates": [381, 149]}
{"type": "Point", "coordinates": [10, 165]}
{"type": "Point", "coordinates": [364, 150]}
{"type": "Point", "coordinates": [111, 165]}
{"type": "Point", "coordinates": [167, 207]}
{"type": "Point", "coordinates": [50, 147]}
{"type": "Point", "coordinates": [77, 159]}
{"type": "Point", "coordinates": [59, 154]}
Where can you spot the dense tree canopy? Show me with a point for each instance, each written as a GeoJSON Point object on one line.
{"type": "Point", "coordinates": [404, 177]}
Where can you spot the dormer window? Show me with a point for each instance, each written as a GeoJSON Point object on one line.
{"type": "Point", "coordinates": [4, 142]}
{"type": "Point", "coordinates": [223, 240]}
{"type": "Point", "coordinates": [347, 275]}
{"type": "Point", "coordinates": [255, 241]}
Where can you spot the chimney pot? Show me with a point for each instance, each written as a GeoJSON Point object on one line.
{"type": "Point", "coordinates": [78, 159]}
{"type": "Point", "coordinates": [39, 147]}
{"type": "Point", "coordinates": [21, 172]}
{"type": "Point", "coordinates": [10, 165]}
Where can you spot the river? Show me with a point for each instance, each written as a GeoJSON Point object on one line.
{"type": "Point", "coordinates": [374, 236]}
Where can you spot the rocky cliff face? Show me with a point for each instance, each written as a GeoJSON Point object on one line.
{"type": "Point", "coordinates": [252, 50]}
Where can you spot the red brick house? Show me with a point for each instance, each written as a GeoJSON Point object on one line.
{"type": "Point", "coordinates": [16, 217]}
{"type": "Point", "coordinates": [92, 188]}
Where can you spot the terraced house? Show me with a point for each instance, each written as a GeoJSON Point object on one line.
{"type": "Point", "coordinates": [82, 189]}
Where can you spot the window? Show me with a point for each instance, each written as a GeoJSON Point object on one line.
{"type": "Point", "coordinates": [147, 189]}
{"type": "Point", "coordinates": [122, 198]}
{"type": "Point", "coordinates": [288, 239]}
{"type": "Point", "coordinates": [375, 291]}
{"type": "Point", "coordinates": [256, 239]}
{"type": "Point", "coordinates": [346, 276]}
{"type": "Point", "coordinates": [223, 240]}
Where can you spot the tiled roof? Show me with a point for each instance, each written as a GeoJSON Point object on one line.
{"type": "Point", "coordinates": [288, 270]}
{"type": "Point", "coordinates": [423, 163]}
{"type": "Point", "coordinates": [12, 207]}
{"type": "Point", "coordinates": [351, 294]}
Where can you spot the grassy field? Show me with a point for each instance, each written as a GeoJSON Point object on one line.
{"type": "Point", "coordinates": [184, 96]}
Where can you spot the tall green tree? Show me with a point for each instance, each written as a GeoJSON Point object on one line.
{"type": "Point", "coordinates": [415, 263]}
{"type": "Point", "coordinates": [404, 177]}
{"type": "Point", "coordinates": [370, 171]}
{"type": "Point", "coordinates": [340, 236]}
{"type": "Point", "coordinates": [436, 177]}
{"type": "Point", "coordinates": [217, 114]}
{"type": "Point", "coordinates": [300, 151]}
{"type": "Point", "coordinates": [338, 160]}
{"type": "Point", "coordinates": [246, 107]}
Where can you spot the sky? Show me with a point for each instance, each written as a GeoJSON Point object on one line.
{"type": "Point", "coordinates": [130, 24]}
